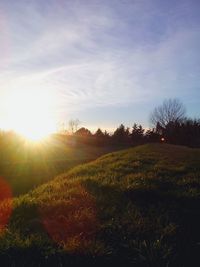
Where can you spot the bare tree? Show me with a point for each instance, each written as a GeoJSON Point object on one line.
{"type": "Point", "coordinates": [73, 125]}
{"type": "Point", "coordinates": [172, 110]}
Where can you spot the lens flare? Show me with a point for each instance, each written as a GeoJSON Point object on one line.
{"type": "Point", "coordinates": [5, 203]}
{"type": "Point", "coordinates": [72, 222]}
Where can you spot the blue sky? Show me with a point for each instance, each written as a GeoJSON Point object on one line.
{"type": "Point", "coordinates": [107, 62]}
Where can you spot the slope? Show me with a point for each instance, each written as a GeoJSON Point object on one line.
{"type": "Point", "coordinates": [139, 206]}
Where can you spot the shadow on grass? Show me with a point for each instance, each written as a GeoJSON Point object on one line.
{"type": "Point", "coordinates": [161, 211]}
{"type": "Point", "coordinates": [147, 226]}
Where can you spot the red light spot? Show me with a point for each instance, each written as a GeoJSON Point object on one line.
{"type": "Point", "coordinates": [71, 222]}
{"type": "Point", "coordinates": [5, 203]}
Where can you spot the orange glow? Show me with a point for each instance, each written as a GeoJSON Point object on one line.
{"type": "Point", "coordinates": [5, 203]}
{"type": "Point", "coordinates": [71, 223]}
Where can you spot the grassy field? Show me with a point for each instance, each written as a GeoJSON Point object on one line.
{"type": "Point", "coordinates": [135, 207]}
{"type": "Point", "coordinates": [26, 165]}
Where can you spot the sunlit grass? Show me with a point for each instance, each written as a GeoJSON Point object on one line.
{"type": "Point", "coordinates": [136, 206]}
{"type": "Point", "coordinates": [26, 164]}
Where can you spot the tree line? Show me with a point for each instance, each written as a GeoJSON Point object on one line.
{"type": "Point", "coordinates": [169, 124]}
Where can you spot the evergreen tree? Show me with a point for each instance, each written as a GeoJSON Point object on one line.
{"type": "Point", "coordinates": [137, 133]}
{"type": "Point", "coordinates": [121, 135]}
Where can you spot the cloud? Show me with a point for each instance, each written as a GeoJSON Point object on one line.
{"type": "Point", "coordinates": [101, 53]}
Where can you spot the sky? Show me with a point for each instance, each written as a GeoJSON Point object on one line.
{"type": "Point", "coordinates": [105, 62]}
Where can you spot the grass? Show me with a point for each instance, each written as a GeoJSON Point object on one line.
{"type": "Point", "coordinates": [26, 165]}
{"type": "Point", "coordinates": [136, 207]}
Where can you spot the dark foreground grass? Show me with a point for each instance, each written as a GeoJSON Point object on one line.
{"type": "Point", "coordinates": [137, 207]}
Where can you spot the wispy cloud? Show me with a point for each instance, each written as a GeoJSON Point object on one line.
{"type": "Point", "coordinates": [100, 53]}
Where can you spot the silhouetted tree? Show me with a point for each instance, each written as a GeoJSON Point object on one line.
{"type": "Point", "coordinates": [121, 135]}
{"type": "Point", "coordinates": [152, 136]}
{"type": "Point", "coordinates": [83, 136]}
{"type": "Point", "coordinates": [99, 133]}
{"type": "Point", "coordinates": [83, 132]}
{"type": "Point", "coordinates": [137, 133]}
{"type": "Point", "coordinates": [73, 125]}
{"type": "Point", "coordinates": [101, 138]}
{"type": "Point", "coordinates": [186, 132]}
{"type": "Point", "coordinates": [172, 110]}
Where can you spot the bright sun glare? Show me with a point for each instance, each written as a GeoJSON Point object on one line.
{"type": "Point", "coordinates": [29, 113]}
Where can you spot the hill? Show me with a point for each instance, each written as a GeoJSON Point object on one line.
{"type": "Point", "coordinates": [136, 207]}
{"type": "Point", "coordinates": [26, 165]}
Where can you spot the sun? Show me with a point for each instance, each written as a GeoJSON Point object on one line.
{"type": "Point", "coordinates": [29, 113]}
